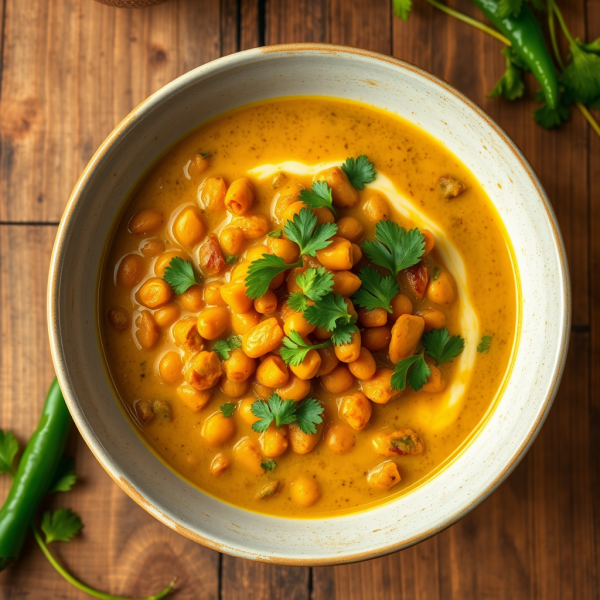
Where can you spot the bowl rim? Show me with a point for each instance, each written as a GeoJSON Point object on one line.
{"type": "Point", "coordinates": [64, 230]}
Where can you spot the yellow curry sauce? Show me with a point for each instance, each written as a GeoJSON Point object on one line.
{"type": "Point", "coordinates": [337, 474]}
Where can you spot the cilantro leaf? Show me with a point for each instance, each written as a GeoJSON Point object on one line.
{"type": "Point", "coordinates": [295, 348]}
{"type": "Point", "coordinates": [262, 271]}
{"type": "Point", "coordinates": [276, 233]}
{"type": "Point", "coordinates": [228, 409]}
{"type": "Point", "coordinates": [328, 311]}
{"type": "Point", "coordinates": [231, 259]}
{"type": "Point", "coordinates": [510, 85]}
{"type": "Point", "coordinates": [592, 46]}
{"type": "Point", "coordinates": [402, 8]}
{"type": "Point", "coordinates": [549, 118]}
{"type": "Point", "coordinates": [8, 450]}
{"type": "Point", "coordinates": [415, 369]}
{"type": "Point", "coordinates": [509, 8]}
{"type": "Point", "coordinates": [441, 347]}
{"type": "Point", "coordinates": [308, 415]}
{"type": "Point", "coordinates": [376, 291]}
{"type": "Point", "coordinates": [304, 231]}
{"type": "Point", "coordinates": [342, 334]}
{"type": "Point", "coordinates": [436, 273]}
{"type": "Point", "coordinates": [315, 283]}
{"type": "Point", "coordinates": [582, 76]}
{"type": "Point", "coordinates": [395, 248]}
{"type": "Point", "coordinates": [484, 344]}
{"type": "Point", "coordinates": [319, 195]}
{"type": "Point", "coordinates": [180, 275]}
{"type": "Point", "coordinates": [65, 477]}
{"type": "Point", "coordinates": [268, 465]}
{"type": "Point", "coordinates": [297, 301]}
{"type": "Point", "coordinates": [282, 412]}
{"type": "Point", "coordinates": [359, 171]}
{"type": "Point", "coordinates": [224, 347]}
{"type": "Point", "coordinates": [60, 525]}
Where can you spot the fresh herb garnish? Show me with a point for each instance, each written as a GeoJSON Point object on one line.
{"type": "Point", "coordinates": [402, 8]}
{"type": "Point", "coordinates": [61, 525]}
{"type": "Point", "coordinates": [308, 415]}
{"type": "Point", "coordinates": [295, 348]}
{"type": "Point", "coordinates": [8, 450]}
{"type": "Point", "coordinates": [376, 291]}
{"type": "Point", "coordinates": [268, 465]}
{"type": "Point", "coordinates": [359, 171]}
{"type": "Point", "coordinates": [276, 233]}
{"type": "Point", "coordinates": [309, 236]}
{"type": "Point", "coordinates": [441, 346]}
{"type": "Point", "coordinates": [262, 271]}
{"type": "Point", "coordinates": [510, 85]}
{"type": "Point", "coordinates": [331, 309]}
{"type": "Point", "coordinates": [436, 273]}
{"type": "Point", "coordinates": [297, 301]}
{"type": "Point", "coordinates": [224, 347]}
{"type": "Point", "coordinates": [318, 196]}
{"type": "Point", "coordinates": [484, 344]}
{"type": "Point", "coordinates": [205, 154]}
{"type": "Point", "coordinates": [413, 367]}
{"type": "Point", "coordinates": [342, 334]}
{"type": "Point", "coordinates": [315, 283]}
{"type": "Point", "coordinates": [394, 248]}
{"type": "Point", "coordinates": [65, 477]}
{"type": "Point", "coordinates": [231, 259]}
{"type": "Point", "coordinates": [284, 412]}
{"type": "Point", "coordinates": [228, 409]}
{"type": "Point", "coordinates": [180, 275]}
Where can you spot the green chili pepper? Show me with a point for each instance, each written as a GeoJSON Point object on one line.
{"type": "Point", "coordinates": [528, 42]}
{"type": "Point", "coordinates": [36, 471]}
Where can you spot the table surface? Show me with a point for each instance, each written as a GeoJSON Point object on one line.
{"type": "Point", "coordinates": [70, 71]}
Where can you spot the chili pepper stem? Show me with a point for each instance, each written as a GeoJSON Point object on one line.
{"type": "Point", "coordinates": [82, 586]}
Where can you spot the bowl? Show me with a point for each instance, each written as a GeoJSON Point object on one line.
{"type": "Point", "coordinates": [309, 69]}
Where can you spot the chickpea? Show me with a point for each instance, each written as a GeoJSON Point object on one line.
{"type": "Point", "coordinates": [401, 305]}
{"type": "Point", "coordinates": [218, 429]}
{"type": "Point", "coordinates": [234, 389]}
{"type": "Point", "coordinates": [364, 366]}
{"type": "Point", "coordinates": [261, 390]}
{"type": "Point", "coordinates": [305, 491]}
{"type": "Point", "coordinates": [329, 361]}
{"type": "Point", "coordinates": [292, 285]}
{"type": "Point", "coordinates": [295, 389]}
{"type": "Point", "coordinates": [212, 294]}
{"type": "Point", "coordinates": [162, 262]}
{"type": "Point", "coordinates": [186, 335]}
{"type": "Point", "coordinates": [162, 409]}
{"type": "Point", "coordinates": [272, 372]}
{"type": "Point", "coordinates": [297, 322]}
{"type": "Point", "coordinates": [286, 249]}
{"type": "Point", "coordinates": [379, 388]}
{"type": "Point", "coordinates": [441, 290]}
{"type": "Point", "coordinates": [351, 351]}
{"type": "Point", "coordinates": [245, 410]}
{"type": "Point", "coordinates": [376, 317]}
{"type": "Point", "coordinates": [210, 256]}
{"type": "Point", "coordinates": [337, 256]}
{"type": "Point", "coordinates": [324, 215]}
{"type": "Point", "coordinates": [243, 322]}
{"type": "Point", "coordinates": [238, 367]}
{"type": "Point", "coordinates": [197, 165]}
{"type": "Point", "coordinates": [192, 299]}
{"type": "Point", "coordinates": [170, 367]}
{"type": "Point", "coordinates": [397, 443]}
{"type": "Point", "coordinates": [343, 193]}
{"type": "Point", "coordinates": [256, 252]}
{"type": "Point", "coordinates": [167, 315]}
{"type": "Point", "coordinates": [288, 213]}
{"type": "Point", "coordinates": [300, 442]}
{"type": "Point", "coordinates": [213, 322]}
{"type": "Point", "coordinates": [286, 197]}
{"type": "Point", "coordinates": [436, 382]}
{"type": "Point", "coordinates": [154, 292]}
{"type": "Point", "coordinates": [118, 318]}
{"type": "Point", "coordinates": [351, 310]}
{"type": "Point", "coordinates": [376, 338]}
{"type": "Point", "coordinates": [323, 333]}
{"type": "Point", "coordinates": [240, 271]}
{"type": "Point", "coordinates": [284, 309]}
{"type": "Point", "coordinates": [240, 196]}
{"type": "Point", "coordinates": [266, 304]}
{"type": "Point", "coordinates": [234, 294]}
{"type": "Point", "coordinates": [262, 338]}
{"type": "Point", "coordinates": [406, 333]}
{"type": "Point", "coordinates": [356, 410]}
{"type": "Point", "coordinates": [376, 208]}
{"type": "Point", "coordinates": [145, 221]}
{"type": "Point", "coordinates": [429, 241]}
{"type": "Point", "coordinates": [188, 227]}
{"type": "Point", "coordinates": [144, 412]}
{"type": "Point", "coordinates": [246, 453]}
{"type": "Point", "coordinates": [274, 441]}
{"type": "Point", "coordinates": [338, 380]}
{"type": "Point", "coordinates": [350, 228]}
{"type": "Point", "coordinates": [345, 283]}
{"type": "Point", "coordinates": [232, 240]}
{"type": "Point", "coordinates": [212, 194]}
{"type": "Point", "coordinates": [147, 333]}
{"type": "Point", "coordinates": [340, 438]}
{"type": "Point", "coordinates": [131, 270]}
{"type": "Point", "coordinates": [277, 281]}
{"type": "Point", "coordinates": [417, 278]}
{"type": "Point", "coordinates": [433, 319]}
{"type": "Point", "coordinates": [309, 367]}
{"type": "Point", "coordinates": [252, 226]}
{"type": "Point", "coordinates": [204, 371]}
{"type": "Point", "coordinates": [384, 476]}
{"type": "Point", "coordinates": [152, 247]}
{"type": "Point", "coordinates": [195, 400]}
{"type": "Point", "coordinates": [356, 254]}
{"type": "Point", "coordinates": [219, 464]}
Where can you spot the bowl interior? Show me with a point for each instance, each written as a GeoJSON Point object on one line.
{"type": "Point", "coordinates": [383, 82]}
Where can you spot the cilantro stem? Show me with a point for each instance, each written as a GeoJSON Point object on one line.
{"type": "Point", "coordinates": [552, 30]}
{"type": "Point", "coordinates": [82, 586]}
{"type": "Point", "coordinates": [590, 119]}
{"type": "Point", "coordinates": [553, 8]}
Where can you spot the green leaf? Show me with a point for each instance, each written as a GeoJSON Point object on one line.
{"type": "Point", "coordinates": [549, 118]}
{"type": "Point", "coordinates": [180, 275]}
{"type": "Point", "coordinates": [295, 349]}
{"type": "Point", "coordinates": [315, 283]}
{"type": "Point", "coordinates": [304, 231]}
{"type": "Point", "coordinates": [282, 412]}
{"type": "Point", "coordinates": [415, 369]}
{"type": "Point", "coordinates": [262, 271]}
{"type": "Point", "coordinates": [276, 233]}
{"type": "Point", "coordinates": [484, 344]}
{"type": "Point", "coordinates": [582, 76]}
{"type": "Point", "coordinates": [510, 85]}
{"type": "Point", "coordinates": [65, 477]}
{"type": "Point", "coordinates": [331, 309]}
{"type": "Point", "coordinates": [309, 415]}
{"type": "Point", "coordinates": [297, 301]}
{"type": "Point", "coordinates": [359, 171]}
{"type": "Point", "coordinates": [228, 409]}
{"type": "Point", "coordinates": [268, 465]}
{"type": "Point", "coordinates": [318, 196]}
{"type": "Point", "coordinates": [592, 46]}
{"type": "Point", "coordinates": [402, 8]}
{"type": "Point", "coordinates": [441, 346]}
{"type": "Point", "coordinates": [261, 409]}
{"type": "Point", "coordinates": [8, 450]}
{"type": "Point", "coordinates": [231, 259]}
{"type": "Point", "coordinates": [509, 8]}
{"type": "Point", "coordinates": [61, 525]}
{"type": "Point", "coordinates": [395, 248]}
{"type": "Point", "coordinates": [376, 291]}
{"type": "Point", "coordinates": [205, 155]}
{"type": "Point", "coordinates": [224, 347]}
{"type": "Point", "coordinates": [342, 334]}
{"type": "Point", "coordinates": [436, 273]}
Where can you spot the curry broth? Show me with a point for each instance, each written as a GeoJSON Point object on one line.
{"type": "Point", "coordinates": [314, 130]}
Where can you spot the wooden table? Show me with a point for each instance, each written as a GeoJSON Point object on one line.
{"type": "Point", "coordinates": [70, 70]}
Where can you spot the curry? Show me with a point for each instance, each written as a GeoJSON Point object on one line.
{"type": "Point", "coordinates": [308, 306]}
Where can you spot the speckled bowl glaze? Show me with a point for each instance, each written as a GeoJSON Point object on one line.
{"type": "Point", "coordinates": [466, 131]}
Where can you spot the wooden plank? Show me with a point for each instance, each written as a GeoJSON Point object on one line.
{"type": "Point", "coordinates": [72, 69]}
{"type": "Point", "coordinates": [361, 24]}
{"type": "Point", "coordinates": [298, 21]}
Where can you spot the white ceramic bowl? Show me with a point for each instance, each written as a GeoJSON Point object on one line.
{"type": "Point", "coordinates": [465, 130]}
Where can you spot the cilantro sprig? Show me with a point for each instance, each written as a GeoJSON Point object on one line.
{"type": "Point", "coordinates": [61, 525]}
{"type": "Point", "coordinates": [441, 346]}
{"type": "Point", "coordinates": [295, 348]}
{"type": "Point", "coordinates": [315, 284]}
{"type": "Point", "coordinates": [376, 291]}
{"type": "Point", "coordinates": [359, 171]}
{"type": "Point", "coordinates": [484, 344]}
{"type": "Point", "coordinates": [268, 465]}
{"type": "Point", "coordinates": [262, 271]}
{"type": "Point", "coordinates": [224, 347]}
{"type": "Point", "coordinates": [331, 310]}
{"type": "Point", "coordinates": [415, 369]}
{"type": "Point", "coordinates": [179, 274]}
{"type": "Point", "coordinates": [308, 414]}
{"type": "Point", "coordinates": [318, 196]}
{"type": "Point", "coordinates": [309, 236]}
{"type": "Point", "coordinates": [394, 248]}
{"type": "Point", "coordinates": [228, 409]}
